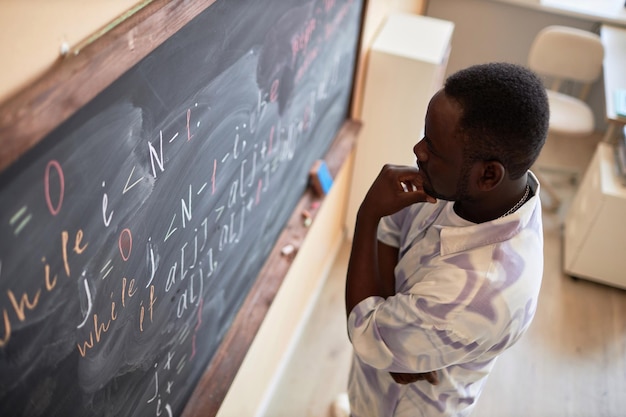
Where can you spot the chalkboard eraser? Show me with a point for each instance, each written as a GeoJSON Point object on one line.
{"type": "Point", "coordinates": [320, 178]}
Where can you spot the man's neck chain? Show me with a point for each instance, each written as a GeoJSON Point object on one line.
{"type": "Point", "coordinates": [519, 203]}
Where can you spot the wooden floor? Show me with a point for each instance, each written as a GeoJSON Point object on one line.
{"type": "Point", "coordinates": [571, 363]}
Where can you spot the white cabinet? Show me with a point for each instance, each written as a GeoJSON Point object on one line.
{"type": "Point", "coordinates": [406, 66]}
{"type": "Point", "coordinates": [595, 227]}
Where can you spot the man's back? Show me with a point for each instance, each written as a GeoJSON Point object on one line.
{"type": "Point", "coordinates": [470, 292]}
{"type": "Point", "coordinates": [447, 257]}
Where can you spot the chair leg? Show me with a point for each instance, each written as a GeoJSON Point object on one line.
{"type": "Point", "coordinates": [609, 135]}
{"type": "Point", "coordinates": [555, 201]}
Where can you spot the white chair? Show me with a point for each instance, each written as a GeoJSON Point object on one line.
{"type": "Point", "coordinates": [572, 58]}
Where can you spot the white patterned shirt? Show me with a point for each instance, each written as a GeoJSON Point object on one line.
{"type": "Point", "coordinates": [465, 292]}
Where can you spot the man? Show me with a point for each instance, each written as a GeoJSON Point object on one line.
{"type": "Point", "coordinates": [447, 258]}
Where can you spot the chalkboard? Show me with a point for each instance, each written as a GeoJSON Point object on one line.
{"type": "Point", "coordinates": [131, 234]}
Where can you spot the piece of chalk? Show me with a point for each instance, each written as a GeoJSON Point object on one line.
{"type": "Point", "coordinates": [65, 48]}
{"type": "Point", "coordinates": [307, 218]}
{"type": "Point", "coordinates": [287, 250]}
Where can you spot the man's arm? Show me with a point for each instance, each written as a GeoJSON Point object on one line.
{"type": "Point", "coordinates": [387, 195]}
{"type": "Point", "coordinates": [372, 263]}
{"type": "Point", "coordinates": [387, 261]}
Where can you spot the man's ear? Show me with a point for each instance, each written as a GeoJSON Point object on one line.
{"type": "Point", "coordinates": [492, 174]}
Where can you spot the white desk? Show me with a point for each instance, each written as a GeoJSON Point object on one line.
{"type": "Point", "coordinates": [605, 11]}
{"type": "Point", "coordinates": [614, 41]}
{"type": "Point", "coordinates": [595, 229]}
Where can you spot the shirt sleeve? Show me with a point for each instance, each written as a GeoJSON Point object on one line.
{"type": "Point", "coordinates": [390, 228]}
{"type": "Point", "coordinates": [416, 333]}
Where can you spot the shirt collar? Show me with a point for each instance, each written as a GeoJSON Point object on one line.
{"type": "Point", "coordinates": [458, 239]}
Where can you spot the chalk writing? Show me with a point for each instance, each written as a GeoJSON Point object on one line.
{"type": "Point", "coordinates": [158, 157]}
{"type": "Point", "coordinates": [160, 407]}
{"type": "Point", "coordinates": [105, 203]}
{"type": "Point", "coordinates": [20, 219]}
{"type": "Point", "coordinates": [54, 209]}
{"type": "Point", "coordinates": [133, 234]}
{"type": "Point", "coordinates": [128, 184]}
{"type": "Point", "coordinates": [125, 243]}
{"type": "Point", "coordinates": [89, 303]}
{"type": "Point", "coordinates": [28, 302]}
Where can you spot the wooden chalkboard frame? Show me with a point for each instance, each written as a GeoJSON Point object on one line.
{"type": "Point", "coordinates": [89, 68]}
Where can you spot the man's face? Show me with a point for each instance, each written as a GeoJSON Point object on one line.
{"type": "Point", "coordinates": [440, 153]}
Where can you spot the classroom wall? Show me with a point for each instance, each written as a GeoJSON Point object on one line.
{"type": "Point", "coordinates": [376, 13]}
{"type": "Point", "coordinates": [33, 32]}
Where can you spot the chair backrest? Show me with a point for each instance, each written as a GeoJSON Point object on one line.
{"type": "Point", "coordinates": [566, 53]}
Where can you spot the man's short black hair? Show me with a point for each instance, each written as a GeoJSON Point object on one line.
{"type": "Point", "coordinates": [505, 114]}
